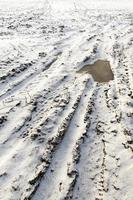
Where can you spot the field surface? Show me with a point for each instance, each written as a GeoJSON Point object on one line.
{"type": "Point", "coordinates": [65, 133]}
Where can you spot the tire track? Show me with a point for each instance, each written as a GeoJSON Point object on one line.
{"type": "Point", "coordinates": [58, 172]}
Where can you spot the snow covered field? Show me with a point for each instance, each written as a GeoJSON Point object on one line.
{"type": "Point", "coordinates": [62, 135]}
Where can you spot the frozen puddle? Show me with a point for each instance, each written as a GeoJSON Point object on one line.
{"type": "Point", "coordinates": [100, 71]}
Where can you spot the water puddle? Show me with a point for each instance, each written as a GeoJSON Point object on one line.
{"type": "Point", "coordinates": [100, 71]}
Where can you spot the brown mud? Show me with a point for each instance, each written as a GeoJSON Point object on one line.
{"type": "Point", "coordinates": [100, 71]}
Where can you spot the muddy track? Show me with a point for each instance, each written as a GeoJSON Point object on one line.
{"type": "Point", "coordinates": [63, 135]}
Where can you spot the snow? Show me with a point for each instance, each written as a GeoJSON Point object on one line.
{"type": "Point", "coordinates": [63, 135]}
{"type": "Point", "coordinates": [63, 5]}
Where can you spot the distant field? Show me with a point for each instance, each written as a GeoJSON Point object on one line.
{"type": "Point", "coordinates": [69, 4]}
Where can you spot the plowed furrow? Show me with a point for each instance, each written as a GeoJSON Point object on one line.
{"type": "Point", "coordinates": [60, 169]}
